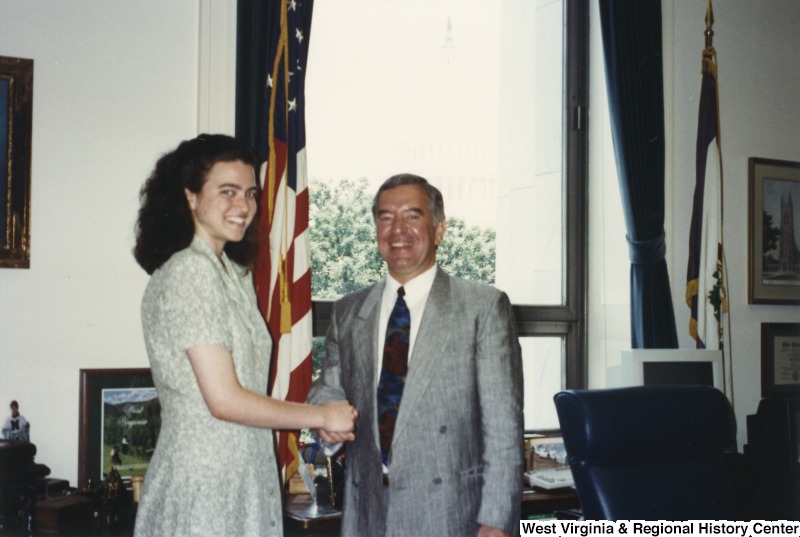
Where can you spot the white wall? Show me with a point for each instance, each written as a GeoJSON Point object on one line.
{"type": "Point", "coordinates": [116, 84]}
{"type": "Point", "coordinates": [758, 51]}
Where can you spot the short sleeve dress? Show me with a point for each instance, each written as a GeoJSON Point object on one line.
{"type": "Point", "coordinates": [207, 477]}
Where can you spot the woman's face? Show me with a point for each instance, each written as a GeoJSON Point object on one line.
{"type": "Point", "coordinates": [226, 205]}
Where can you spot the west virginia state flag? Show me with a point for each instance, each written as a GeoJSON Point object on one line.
{"type": "Point", "coordinates": [705, 275]}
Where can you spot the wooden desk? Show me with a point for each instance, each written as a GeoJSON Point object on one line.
{"type": "Point", "coordinates": [543, 502]}
{"type": "Point", "coordinates": [303, 518]}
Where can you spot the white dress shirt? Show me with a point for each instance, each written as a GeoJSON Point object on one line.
{"type": "Point", "coordinates": [417, 291]}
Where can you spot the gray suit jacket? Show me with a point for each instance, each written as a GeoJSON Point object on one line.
{"type": "Point", "coordinates": [457, 455]}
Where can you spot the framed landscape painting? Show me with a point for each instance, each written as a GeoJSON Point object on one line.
{"type": "Point", "coordinates": [120, 419]}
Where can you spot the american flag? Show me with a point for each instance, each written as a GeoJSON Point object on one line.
{"type": "Point", "coordinates": [705, 287]}
{"type": "Point", "coordinates": [282, 273]}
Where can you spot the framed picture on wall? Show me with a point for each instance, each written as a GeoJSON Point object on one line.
{"type": "Point", "coordinates": [774, 232]}
{"type": "Point", "coordinates": [120, 419]}
{"type": "Point", "coordinates": [780, 359]}
{"type": "Point", "coordinates": [16, 122]}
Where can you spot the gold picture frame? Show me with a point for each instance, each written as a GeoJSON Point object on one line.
{"type": "Point", "coordinates": [774, 232]}
{"type": "Point", "coordinates": [16, 122]}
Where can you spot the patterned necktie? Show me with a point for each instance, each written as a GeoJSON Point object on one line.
{"type": "Point", "coordinates": [393, 373]}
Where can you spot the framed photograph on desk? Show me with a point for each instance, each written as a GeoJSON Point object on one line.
{"type": "Point", "coordinates": [547, 453]}
{"type": "Point", "coordinates": [780, 359]}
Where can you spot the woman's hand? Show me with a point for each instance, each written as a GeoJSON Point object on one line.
{"type": "Point", "coordinates": [340, 422]}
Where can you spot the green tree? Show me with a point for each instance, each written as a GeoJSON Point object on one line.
{"type": "Point", "coordinates": [467, 252]}
{"type": "Point", "coordinates": [343, 254]}
{"type": "Point", "coordinates": [771, 234]}
{"type": "Point", "coordinates": [112, 431]}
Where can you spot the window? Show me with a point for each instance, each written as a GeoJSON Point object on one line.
{"type": "Point", "coordinates": [488, 101]}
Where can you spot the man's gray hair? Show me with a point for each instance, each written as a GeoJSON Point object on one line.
{"type": "Point", "coordinates": [435, 199]}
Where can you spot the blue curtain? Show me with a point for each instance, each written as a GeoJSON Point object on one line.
{"type": "Point", "coordinates": [257, 22]}
{"type": "Point", "coordinates": [631, 32]}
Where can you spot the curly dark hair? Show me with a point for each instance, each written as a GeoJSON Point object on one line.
{"type": "Point", "coordinates": [165, 223]}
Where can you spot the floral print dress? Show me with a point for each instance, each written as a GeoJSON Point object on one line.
{"type": "Point", "coordinates": [207, 477]}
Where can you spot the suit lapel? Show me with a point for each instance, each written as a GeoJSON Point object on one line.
{"type": "Point", "coordinates": [434, 334]}
{"type": "Point", "coordinates": [365, 351]}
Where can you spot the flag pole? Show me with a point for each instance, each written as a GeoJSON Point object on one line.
{"type": "Point", "coordinates": [706, 278]}
{"type": "Point", "coordinates": [283, 278]}
{"type": "Point", "coordinates": [709, 65]}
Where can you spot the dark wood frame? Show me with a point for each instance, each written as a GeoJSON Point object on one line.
{"type": "Point", "coordinates": [16, 119]}
{"type": "Point", "coordinates": [789, 334]}
{"type": "Point", "coordinates": [762, 170]}
{"type": "Point", "coordinates": [93, 382]}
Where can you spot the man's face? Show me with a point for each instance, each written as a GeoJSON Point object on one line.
{"type": "Point", "coordinates": [14, 410]}
{"type": "Point", "coordinates": [407, 238]}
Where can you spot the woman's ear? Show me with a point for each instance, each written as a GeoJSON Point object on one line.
{"type": "Point", "coordinates": [191, 197]}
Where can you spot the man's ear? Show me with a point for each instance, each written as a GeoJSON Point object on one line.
{"type": "Point", "coordinates": [439, 232]}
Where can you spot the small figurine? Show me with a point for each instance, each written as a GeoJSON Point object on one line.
{"type": "Point", "coordinates": [16, 426]}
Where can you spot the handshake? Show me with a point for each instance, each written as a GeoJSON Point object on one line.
{"type": "Point", "coordinates": [339, 422]}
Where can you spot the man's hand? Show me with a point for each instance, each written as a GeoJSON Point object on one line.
{"type": "Point", "coordinates": [340, 422]}
{"type": "Point", "coordinates": [491, 531]}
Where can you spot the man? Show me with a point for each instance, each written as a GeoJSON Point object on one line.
{"type": "Point", "coordinates": [454, 463]}
{"type": "Point", "coordinates": [16, 427]}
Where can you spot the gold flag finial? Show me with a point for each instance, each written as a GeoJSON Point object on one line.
{"type": "Point", "coordinates": [709, 61]}
{"type": "Point", "coordinates": [709, 33]}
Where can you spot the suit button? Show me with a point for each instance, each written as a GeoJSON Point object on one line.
{"type": "Point", "coordinates": [437, 481]}
{"type": "Point", "coordinates": [443, 429]}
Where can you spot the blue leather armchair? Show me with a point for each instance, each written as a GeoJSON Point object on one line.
{"type": "Point", "coordinates": [650, 452]}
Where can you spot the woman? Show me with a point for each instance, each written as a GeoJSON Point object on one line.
{"type": "Point", "coordinates": [213, 472]}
